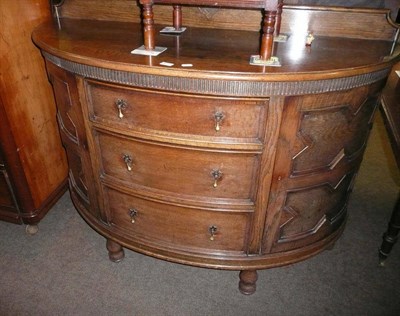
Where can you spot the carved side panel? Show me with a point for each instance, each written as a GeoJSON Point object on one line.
{"type": "Point", "coordinates": [332, 133]}
{"type": "Point", "coordinates": [306, 210]}
{"type": "Point", "coordinates": [64, 110]}
{"type": "Point", "coordinates": [320, 149]}
{"type": "Point", "coordinates": [73, 135]}
{"type": "Point", "coordinates": [77, 179]}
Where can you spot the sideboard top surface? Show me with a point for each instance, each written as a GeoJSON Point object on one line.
{"type": "Point", "coordinates": [108, 44]}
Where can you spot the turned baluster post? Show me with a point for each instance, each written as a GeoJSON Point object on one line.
{"type": "Point", "coordinates": [278, 18]}
{"type": "Point", "coordinates": [177, 17]}
{"type": "Point", "coordinates": [148, 24]}
{"type": "Point", "coordinates": [267, 38]}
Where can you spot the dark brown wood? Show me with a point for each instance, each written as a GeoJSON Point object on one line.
{"type": "Point", "coordinates": [34, 168]}
{"type": "Point", "coordinates": [390, 109]}
{"type": "Point", "coordinates": [223, 165]}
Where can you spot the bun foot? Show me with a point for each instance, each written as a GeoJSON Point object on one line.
{"type": "Point", "coordinates": [31, 229]}
{"type": "Point", "coordinates": [115, 251]}
{"type": "Point", "coordinates": [247, 283]}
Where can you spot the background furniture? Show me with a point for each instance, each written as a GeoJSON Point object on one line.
{"type": "Point", "coordinates": [223, 164]}
{"type": "Point", "coordinates": [32, 161]}
{"type": "Point", "coordinates": [390, 109]}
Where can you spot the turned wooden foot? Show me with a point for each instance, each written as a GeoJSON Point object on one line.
{"type": "Point", "coordinates": [31, 229]}
{"type": "Point", "coordinates": [391, 235]}
{"type": "Point", "coordinates": [115, 251]}
{"type": "Point", "coordinates": [247, 283]}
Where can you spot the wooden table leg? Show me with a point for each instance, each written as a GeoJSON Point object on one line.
{"type": "Point", "coordinates": [391, 235]}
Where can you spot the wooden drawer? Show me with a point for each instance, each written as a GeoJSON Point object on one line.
{"type": "Point", "coordinates": [182, 171]}
{"type": "Point", "coordinates": [173, 113]}
{"type": "Point", "coordinates": [176, 227]}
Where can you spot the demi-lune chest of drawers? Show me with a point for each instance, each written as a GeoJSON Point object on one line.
{"type": "Point", "coordinates": [221, 165]}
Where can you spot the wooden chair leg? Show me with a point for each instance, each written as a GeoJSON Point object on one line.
{"type": "Point", "coordinates": [391, 235]}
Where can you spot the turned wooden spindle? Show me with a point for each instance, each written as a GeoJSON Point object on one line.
{"type": "Point", "coordinates": [177, 17]}
{"type": "Point", "coordinates": [267, 38]}
{"type": "Point", "coordinates": [278, 18]}
{"type": "Point", "coordinates": [148, 24]}
{"type": "Point", "coordinates": [271, 8]}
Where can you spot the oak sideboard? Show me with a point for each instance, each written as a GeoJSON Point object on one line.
{"type": "Point", "coordinates": [199, 156]}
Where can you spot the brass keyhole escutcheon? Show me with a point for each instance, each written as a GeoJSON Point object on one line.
{"type": "Point", "coordinates": [128, 161]}
{"type": "Point", "coordinates": [217, 175]}
{"type": "Point", "coordinates": [121, 106]}
{"type": "Point", "coordinates": [218, 117]}
{"type": "Point", "coordinates": [213, 231]}
{"type": "Point", "coordinates": [133, 214]}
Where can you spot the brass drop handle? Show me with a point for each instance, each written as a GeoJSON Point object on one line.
{"type": "Point", "coordinates": [213, 231]}
{"type": "Point", "coordinates": [128, 161]}
{"type": "Point", "coordinates": [121, 106]}
{"type": "Point", "coordinates": [133, 214]}
{"type": "Point", "coordinates": [217, 175]}
{"type": "Point", "coordinates": [218, 117]}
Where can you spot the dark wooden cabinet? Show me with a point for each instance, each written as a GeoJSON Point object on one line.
{"type": "Point", "coordinates": [390, 109]}
{"type": "Point", "coordinates": [8, 204]}
{"type": "Point", "coordinates": [33, 172]}
{"type": "Point", "coordinates": [220, 164]}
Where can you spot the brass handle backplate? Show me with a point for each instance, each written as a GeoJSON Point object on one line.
{"type": "Point", "coordinates": [121, 106]}
{"type": "Point", "coordinates": [213, 231]}
{"type": "Point", "coordinates": [133, 214]}
{"type": "Point", "coordinates": [128, 161]}
{"type": "Point", "coordinates": [218, 117]}
{"type": "Point", "coordinates": [217, 175]}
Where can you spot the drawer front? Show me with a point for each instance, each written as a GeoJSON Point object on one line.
{"type": "Point", "coordinates": [160, 111]}
{"type": "Point", "coordinates": [178, 170]}
{"type": "Point", "coordinates": [176, 227]}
